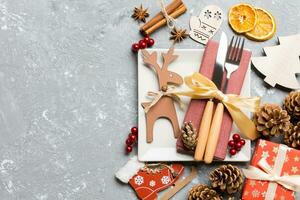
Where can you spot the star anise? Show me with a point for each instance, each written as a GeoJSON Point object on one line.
{"type": "Point", "coordinates": [178, 34]}
{"type": "Point", "coordinates": [140, 14]}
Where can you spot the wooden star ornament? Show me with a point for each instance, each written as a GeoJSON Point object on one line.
{"type": "Point", "coordinates": [178, 34]}
{"type": "Point", "coordinates": [140, 14]}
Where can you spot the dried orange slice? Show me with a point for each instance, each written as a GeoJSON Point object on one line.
{"type": "Point", "coordinates": [242, 17]}
{"type": "Point", "coordinates": [265, 26]}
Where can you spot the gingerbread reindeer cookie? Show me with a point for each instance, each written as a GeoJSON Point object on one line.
{"type": "Point", "coordinates": [164, 107]}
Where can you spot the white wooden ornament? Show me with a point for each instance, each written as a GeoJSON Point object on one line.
{"type": "Point", "coordinates": [281, 63]}
{"type": "Point", "coordinates": [206, 24]}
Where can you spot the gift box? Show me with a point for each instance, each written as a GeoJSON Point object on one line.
{"type": "Point", "coordinates": [274, 169]}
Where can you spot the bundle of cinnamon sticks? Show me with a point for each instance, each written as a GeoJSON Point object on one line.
{"type": "Point", "coordinates": [174, 10]}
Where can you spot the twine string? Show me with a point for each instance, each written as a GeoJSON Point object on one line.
{"type": "Point", "coordinates": [170, 20]}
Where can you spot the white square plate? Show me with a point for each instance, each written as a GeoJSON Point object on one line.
{"type": "Point", "coordinates": [163, 147]}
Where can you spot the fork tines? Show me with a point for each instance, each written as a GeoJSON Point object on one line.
{"type": "Point", "coordinates": [234, 52]}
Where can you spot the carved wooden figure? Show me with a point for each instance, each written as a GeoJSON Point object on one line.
{"type": "Point", "coordinates": [164, 108]}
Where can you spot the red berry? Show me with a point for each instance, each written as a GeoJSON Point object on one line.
{"type": "Point", "coordinates": [146, 39]}
{"type": "Point", "coordinates": [236, 137]}
{"type": "Point", "coordinates": [129, 142]}
{"type": "Point", "coordinates": [238, 145]}
{"type": "Point", "coordinates": [231, 143]}
{"type": "Point", "coordinates": [237, 149]}
{"type": "Point", "coordinates": [129, 149]}
{"type": "Point", "coordinates": [142, 44]}
{"type": "Point", "coordinates": [150, 42]}
{"type": "Point", "coordinates": [134, 131]}
{"type": "Point", "coordinates": [232, 151]}
{"type": "Point", "coordinates": [243, 142]}
{"type": "Point", "coordinates": [135, 47]}
{"type": "Point", "coordinates": [132, 138]}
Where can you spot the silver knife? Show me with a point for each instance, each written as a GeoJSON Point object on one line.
{"type": "Point", "coordinates": [216, 122]}
{"type": "Point", "coordinates": [206, 122]}
{"type": "Point", "coordinates": [220, 61]}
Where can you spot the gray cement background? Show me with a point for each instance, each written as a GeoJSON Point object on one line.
{"type": "Point", "coordinates": [68, 92]}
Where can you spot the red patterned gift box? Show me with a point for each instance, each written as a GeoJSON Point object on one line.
{"type": "Point", "coordinates": [272, 163]}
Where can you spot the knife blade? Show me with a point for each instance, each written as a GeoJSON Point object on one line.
{"type": "Point", "coordinates": [220, 60]}
{"type": "Point", "coordinates": [216, 122]}
{"type": "Point", "coordinates": [206, 121]}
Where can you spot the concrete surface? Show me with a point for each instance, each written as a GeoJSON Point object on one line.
{"type": "Point", "coordinates": [68, 92]}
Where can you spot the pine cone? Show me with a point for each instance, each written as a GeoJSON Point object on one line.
{"type": "Point", "coordinates": [189, 136]}
{"type": "Point", "coordinates": [292, 104]}
{"type": "Point", "coordinates": [292, 137]}
{"type": "Point", "coordinates": [227, 178]}
{"type": "Point", "coordinates": [203, 192]}
{"type": "Point", "coordinates": [271, 120]}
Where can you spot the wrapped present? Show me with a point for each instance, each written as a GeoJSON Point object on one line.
{"type": "Point", "coordinates": [274, 173]}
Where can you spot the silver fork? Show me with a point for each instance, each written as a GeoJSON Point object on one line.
{"type": "Point", "coordinates": [233, 58]}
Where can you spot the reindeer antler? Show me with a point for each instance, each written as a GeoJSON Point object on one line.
{"type": "Point", "coordinates": [168, 58]}
{"type": "Point", "coordinates": [164, 76]}
{"type": "Point", "coordinates": [151, 60]}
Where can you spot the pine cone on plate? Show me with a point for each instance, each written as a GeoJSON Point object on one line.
{"type": "Point", "coordinates": [292, 104]}
{"type": "Point", "coordinates": [271, 120]}
{"type": "Point", "coordinates": [203, 192]}
{"type": "Point", "coordinates": [227, 178]}
{"type": "Point", "coordinates": [189, 136]}
{"type": "Point", "coordinates": [292, 137]}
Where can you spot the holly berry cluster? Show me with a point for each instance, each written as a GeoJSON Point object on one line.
{"type": "Point", "coordinates": [236, 144]}
{"type": "Point", "coordinates": [131, 139]}
{"type": "Point", "coordinates": [144, 43]}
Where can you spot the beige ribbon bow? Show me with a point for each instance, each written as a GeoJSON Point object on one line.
{"type": "Point", "coordinates": [158, 95]}
{"type": "Point", "coordinates": [266, 173]}
{"type": "Point", "coordinates": [203, 88]}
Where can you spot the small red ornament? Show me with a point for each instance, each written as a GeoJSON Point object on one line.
{"type": "Point", "coordinates": [236, 137]}
{"type": "Point", "coordinates": [238, 145]}
{"type": "Point", "coordinates": [243, 142]}
{"type": "Point", "coordinates": [142, 44]}
{"type": "Point", "coordinates": [135, 47]}
{"type": "Point", "coordinates": [132, 138]}
{"type": "Point", "coordinates": [232, 151]}
{"type": "Point", "coordinates": [129, 141]}
{"type": "Point", "coordinates": [146, 39]}
{"type": "Point", "coordinates": [128, 149]}
{"type": "Point", "coordinates": [231, 143]}
{"type": "Point", "coordinates": [134, 131]}
{"type": "Point", "coordinates": [151, 42]}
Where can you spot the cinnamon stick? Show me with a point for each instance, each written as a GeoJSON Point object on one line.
{"type": "Point", "coordinates": [159, 16]}
{"type": "Point", "coordinates": [176, 13]}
